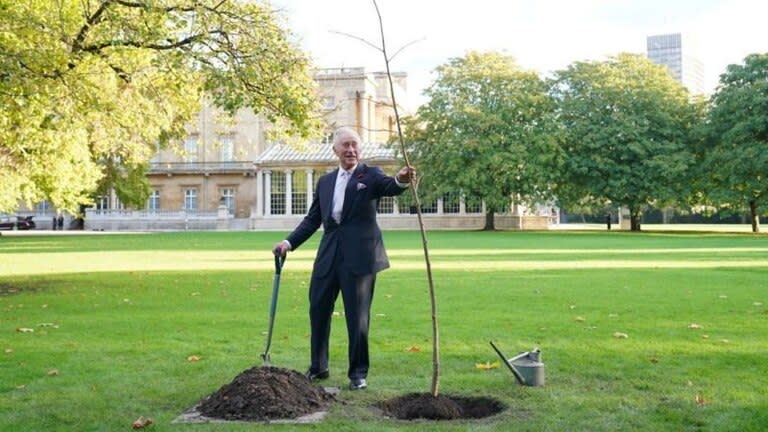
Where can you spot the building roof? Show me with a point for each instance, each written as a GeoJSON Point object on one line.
{"type": "Point", "coordinates": [281, 153]}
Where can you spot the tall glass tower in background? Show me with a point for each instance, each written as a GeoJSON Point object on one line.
{"type": "Point", "coordinates": [668, 50]}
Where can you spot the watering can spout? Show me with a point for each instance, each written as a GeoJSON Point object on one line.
{"type": "Point", "coordinates": [526, 366]}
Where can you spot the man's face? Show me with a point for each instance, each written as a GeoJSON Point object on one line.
{"type": "Point", "coordinates": [348, 151]}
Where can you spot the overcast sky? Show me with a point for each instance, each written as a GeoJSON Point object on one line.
{"type": "Point", "coordinates": [543, 35]}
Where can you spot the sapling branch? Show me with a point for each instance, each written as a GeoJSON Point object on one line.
{"type": "Point", "coordinates": [414, 189]}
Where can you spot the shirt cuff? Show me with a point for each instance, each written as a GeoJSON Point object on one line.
{"type": "Point", "coordinates": [290, 247]}
{"type": "Point", "coordinates": [402, 185]}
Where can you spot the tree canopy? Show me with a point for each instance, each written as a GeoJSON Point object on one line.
{"type": "Point", "coordinates": [736, 138]}
{"type": "Point", "coordinates": [626, 124]}
{"type": "Point", "coordinates": [485, 132]}
{"type": "Point", "coordinates": [88, 88]}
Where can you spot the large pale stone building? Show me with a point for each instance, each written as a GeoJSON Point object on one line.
{"type": "Point", "coordinates": [226, 174]}
{"type": "Point", "coordinates": [217, 178]}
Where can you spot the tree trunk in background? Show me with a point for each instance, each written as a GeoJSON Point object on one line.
{"type": "Point", "coordinates": [489, 223]}
{"type": "Point", "coordinates": [634, 219]}
{"type": "Point", "coordinates": [754, 217]}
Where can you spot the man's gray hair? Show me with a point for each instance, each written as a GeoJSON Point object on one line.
{"type": "Point", "coordinates": [341, 132]}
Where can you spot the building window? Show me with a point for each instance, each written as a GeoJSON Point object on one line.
{"type": "Point", "coordinates": [429, 207]}
{"type": "Point", "coordinates": [190, 149]}
{"type": "Point", "coordinates": [328, 102]}
{"type": "Point", "coordinates": [228, 199]}
{"type": "Point", "coordinates": [43, 207]}
{"type": "Point", "coordinates": [474, 206]}
{"type": "Point", "coordinates": [277, 193]}
{"type": "Point", "coordinates": [227, 150]}
{"type": "Point", "coordinates": [451, 202]}
{"type": "Point", "coordinates": [153, 202]}
{"type": "Point", "coordinates": [190, 199]}
{"type": "Point", "coordinates": [386, 205]}
{"type": "Point", "coordinates": [299, 192]}
{"type": "Point", "coordinates": [102, 202]}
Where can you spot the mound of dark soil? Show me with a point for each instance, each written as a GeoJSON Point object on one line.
{"type": "Point", "coordinates": [265, 393]}
{"type": "Point", "coordinates": [443, 407]}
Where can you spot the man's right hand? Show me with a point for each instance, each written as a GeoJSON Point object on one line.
{"type": "Point", "coordinates": [281, 248]}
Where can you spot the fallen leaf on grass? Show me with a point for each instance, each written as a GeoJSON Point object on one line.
{"type": "Point", "coordinates": [53, 372]}
{"type": "Point", "coordinates": [8, 350]}
{"type": "Point", "coordinates": [700, 400]}
{"type": "Point", "coordinates": [381, 315]}
{"type": "Point", "coordinates": [24, 330]}
{"type": "Point", "coordinates": [725, 341]}
{"type": "Point", "coordinates": [723, 296]}
{"type": "Point", "coordinates": [579, 319]}
{"type": "Point", "coordinates": [487, 365]}
{"type": "Point", "coordinates": [414, 348]}
{"type": "Point", "coordinates": [757, 304]}
{"type": "Point", "coordinates": [705, 336]}
{"type": "Point", "coordinates": [21, 386]}
{"type": "Point", "coordinates": [141, 423]}
{"type": "Point", "coordinates": [48, 325]}
{"type": "Point", "coordinates": [695, 326]}
{"type": "Point", "coordinates": [653, 360]}
{"type": "Point", "coordinates": [619, 335]}
{"type": "Point", "coordinates": [336, 314]}
{"type": "Point", "coordinates": [193, 358]}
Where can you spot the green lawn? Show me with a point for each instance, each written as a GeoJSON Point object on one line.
{"type": "Point", "coordinates": [116, 317]}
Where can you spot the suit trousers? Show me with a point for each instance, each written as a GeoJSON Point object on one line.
{"type": "Point", "coordinates": [357, 293]}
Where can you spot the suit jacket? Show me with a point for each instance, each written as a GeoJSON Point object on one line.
{"type": "Point", "coordinates": [357, 237]}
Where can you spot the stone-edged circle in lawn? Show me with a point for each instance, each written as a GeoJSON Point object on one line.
{"type": "Point", "coordinates": [443, 407]}
{"type": "Point", "coordinates": [266, 393]}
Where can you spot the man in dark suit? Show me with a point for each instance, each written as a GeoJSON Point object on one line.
{"type": "Point", "coordinates": [350, 254]}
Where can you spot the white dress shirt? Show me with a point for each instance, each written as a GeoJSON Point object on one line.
{"type": "Point", "coordinates": [339, 191]}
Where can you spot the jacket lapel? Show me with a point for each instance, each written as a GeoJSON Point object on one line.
{"type": "Point", "coordinates": [327, 194]}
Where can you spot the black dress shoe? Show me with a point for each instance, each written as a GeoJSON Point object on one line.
{"type": "Point", "coordinates": [357, 384]}
{"type": "Point", "coordinates": [314, 376]}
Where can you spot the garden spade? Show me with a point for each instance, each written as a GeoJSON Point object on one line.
{"type": "Point", "coordinates": [279, 261]}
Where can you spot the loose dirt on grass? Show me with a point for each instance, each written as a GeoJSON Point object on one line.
{"type": "Point", "coordinates": [443, 407]}
{"type": "Point", "coordinates": [264, 394]}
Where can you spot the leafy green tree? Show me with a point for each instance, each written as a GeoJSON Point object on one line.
{"type": "Point", "coordinates": [88, 88]}
{"type": "Point", "coordinates": [736, 139]}
{"type": "Point", "coordinates": [485, 132]}
{"type": "Point", "coordinates": [626, 124]}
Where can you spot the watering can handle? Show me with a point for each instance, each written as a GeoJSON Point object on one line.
{"type": "Point", "coordinates": [514, 371]}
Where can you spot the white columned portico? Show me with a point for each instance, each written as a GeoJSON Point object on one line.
{"type": "Point", "coordinates": [259, 210]}
{"type": "Point", "coordinates": [288, 192]}
{"type": "Point", "coordinates": [395, 206]}
{"type": "Point", "coordinates": [267, 193]}
{"type": "Point", "coordinates": [310, 182]}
